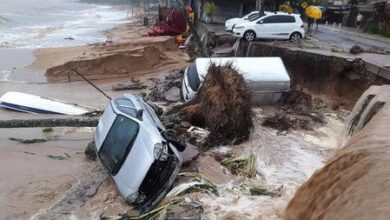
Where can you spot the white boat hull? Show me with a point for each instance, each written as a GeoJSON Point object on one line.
{"type": "Point", "coordinates": [37, 105]}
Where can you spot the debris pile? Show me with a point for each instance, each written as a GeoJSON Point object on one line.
{"type": "Point", "coordinates": [245, 166]}
{"type": "Point", "coordinates": [295, 113]}
{"type": "Point", "coordinates": [133, 85]}
{"type": "Point", "coordinates": [168, 89]}
{"type": "Point", "coordinates": [223, 106]}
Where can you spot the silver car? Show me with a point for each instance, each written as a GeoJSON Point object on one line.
{"type": "Point", "coordinates": [141, 157]}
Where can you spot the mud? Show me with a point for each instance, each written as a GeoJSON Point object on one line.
{"type": "Point", "coordinates": [74, 198]}
{"type": "Point", "coordinates": [353, 184]}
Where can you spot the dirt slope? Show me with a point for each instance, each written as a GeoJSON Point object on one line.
{"type": "Point", "coordinates": [354, 184]}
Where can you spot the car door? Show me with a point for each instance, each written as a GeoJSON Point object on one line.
{"type": "Point", "coordinates": [265, 27]}
{"type": "Point", "coordinates": [285, 24]}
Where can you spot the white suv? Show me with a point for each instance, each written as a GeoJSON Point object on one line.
{"type": "Point", "coordinates": [277, 25]}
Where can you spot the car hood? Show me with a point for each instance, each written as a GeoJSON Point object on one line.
{"type": "Point", "coordinates": [232, 21]}
{"type": "Point", "coordinates": [242, 22]}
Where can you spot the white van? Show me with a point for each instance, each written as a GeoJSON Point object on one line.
{"type": "Point", "coordinates": [267, 77]}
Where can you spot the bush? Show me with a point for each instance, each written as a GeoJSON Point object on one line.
{"type": "Point", "coordinates": [210, 9]}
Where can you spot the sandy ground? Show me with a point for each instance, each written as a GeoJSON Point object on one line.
{"type": "Point", "coordinates": [32, 178]}
{"type": "Point", "coordinates": [33, 182]}
{"type": "Point", "coordinates": [40, 186]}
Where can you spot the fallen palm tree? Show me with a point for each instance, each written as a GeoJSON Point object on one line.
{"type": "Point", "coordinates": [222, 105]}
{"type": "Point", "coordinates": [245, 166]}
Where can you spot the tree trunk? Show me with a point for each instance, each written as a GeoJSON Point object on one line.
{"type": "Point", "coordinates": [54, 122]}
{"type": "Point", "coordinates": [260, 5]}
{"type": "Point", "coordinates": [193, 30]}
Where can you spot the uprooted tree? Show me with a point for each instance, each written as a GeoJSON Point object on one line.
{"type": "Point", "coordinates": [222, 105]}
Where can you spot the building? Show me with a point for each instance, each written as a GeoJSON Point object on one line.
{"type": "Point", "coordinates": [226, 9]}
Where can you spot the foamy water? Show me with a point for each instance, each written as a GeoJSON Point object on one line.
{"type": "Point", "coordinates": [55, 23]}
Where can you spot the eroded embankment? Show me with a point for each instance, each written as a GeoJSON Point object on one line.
{"type": "Point", "coordinates": [341, 81]}
{"type": "Point", "coordinates": [354, 183]}
{"type": "Point", "coordinates": [118, 59]}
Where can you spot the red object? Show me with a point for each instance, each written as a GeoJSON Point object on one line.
{"type": "Point", "coordinates": [175, 24]}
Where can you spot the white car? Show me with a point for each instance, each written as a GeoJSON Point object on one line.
{"type": "Point", "coordinates": [141, 157]}
{"type": "Point", "coordinates": [277, 25]}
{"type": "Point", "coordinates": [267, 77]}
{"type": "Point", "coordinates": [230, 23]}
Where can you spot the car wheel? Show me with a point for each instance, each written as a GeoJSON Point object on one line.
{"type": "Point", "coordinates": [296, 36]}
{"type": "Point", "coordinates": [249, 35]}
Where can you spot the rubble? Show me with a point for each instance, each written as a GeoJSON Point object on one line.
{"type": "Point", "coordinates": [296, 112]}
{"type": "Point", "coordinates": [356, 49]}
{"type": "Point", "coordinates": [168, 89]}
{"type": "Point", "coordinates": [57, 157]}
{"type": "Point", "coordinates": [263, 191]}
{"type": "Point", "coordinates": [133, 85]}
{"type": "Point", "coordinates": [173, 94]}
{"type": "Point", "coordinates": [28, 141]}
{"type": "Point", "coordinates": [284, 120]}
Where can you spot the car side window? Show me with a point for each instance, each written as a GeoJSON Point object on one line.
{"type": "Point", "coordinates": [269, 20]}
{"type": "Point", "coordinates": [286, 19]}
{"type": "Point", "coordinates": [279, 19]}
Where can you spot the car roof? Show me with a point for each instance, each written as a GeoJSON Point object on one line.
{"type": "Point", "coordinates": [253, 68]}
{"type": "Point", "coordinates": [268, 13]}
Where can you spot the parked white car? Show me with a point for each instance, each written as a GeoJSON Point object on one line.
{"type": "Point", "coordinates": [141, 157]}
{"type": "Point", "coordinates": [277, 25]}
{"type": "Point", "coordinates": [267, 77]}
{"type": "Point", "coordinates": [230, 23]}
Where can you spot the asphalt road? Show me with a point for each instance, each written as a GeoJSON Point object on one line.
{"type": "Point", "coordinates": [344, 39]}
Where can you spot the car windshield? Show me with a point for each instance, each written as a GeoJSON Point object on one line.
{"type": "Point", "coordinates": [193, 77]}
{"type": "Point", "coordinates": [256, 16]}
{"type": "Point", "coordinates": [126, 106]}
{"type": "Point", "coordinates": [253, 16]}
{"type": "Point", "coordinates": [118, 143]}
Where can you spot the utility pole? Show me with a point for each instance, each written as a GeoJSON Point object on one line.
{"type": "Point", "coordinates": [260, 6]}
